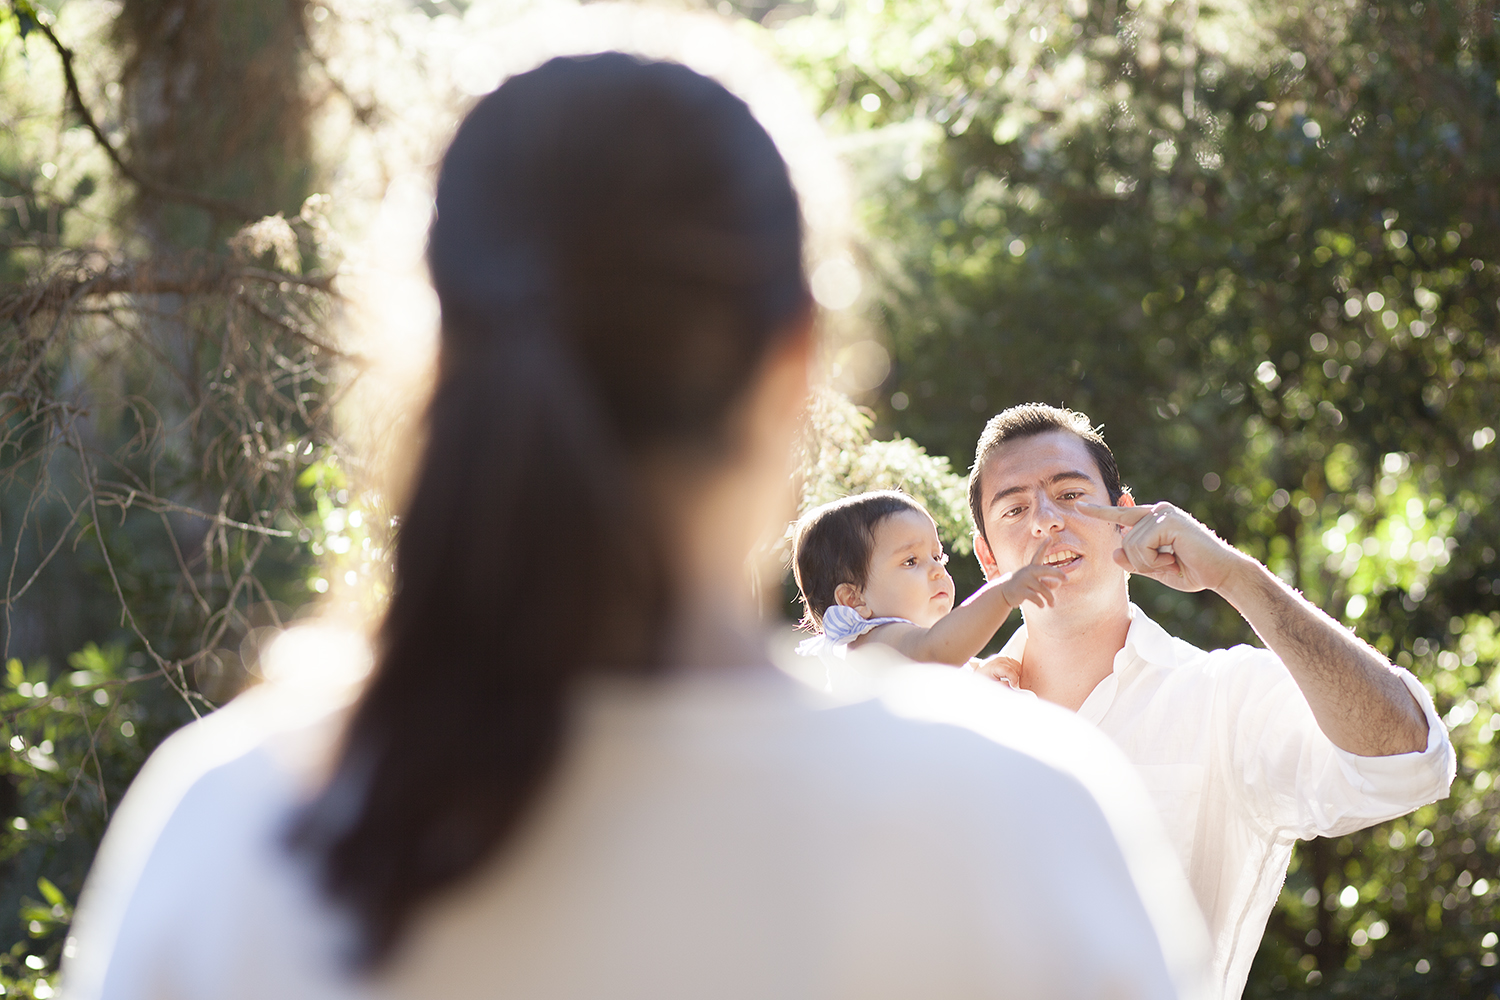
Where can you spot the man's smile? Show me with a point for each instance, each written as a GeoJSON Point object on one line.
{"type": "Point", "coordinates": [1063, 557]}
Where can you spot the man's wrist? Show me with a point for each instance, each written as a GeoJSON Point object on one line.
{"type": "Point", "coordinates": [1246, 579]}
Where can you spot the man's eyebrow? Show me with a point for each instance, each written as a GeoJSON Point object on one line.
{"type": "Point", "coordinates": [1069, 475]}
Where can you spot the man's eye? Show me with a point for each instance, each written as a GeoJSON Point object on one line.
{"type": "Point", "coordinates": [1013, 512]}
{"type": "Point", "coordinates": [1072, 494]}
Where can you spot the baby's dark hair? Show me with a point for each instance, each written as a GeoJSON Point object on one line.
{"type": "Point", "coordinates": [833, 544]}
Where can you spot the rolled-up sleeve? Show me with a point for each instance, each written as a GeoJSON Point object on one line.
{"type": "Point", "coordinates": [1294, 780]}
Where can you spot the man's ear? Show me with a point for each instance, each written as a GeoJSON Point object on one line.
{"type": "Point", "coordinates": [849, 596]}
{"type": "Point", "coordinates": [986, 557]}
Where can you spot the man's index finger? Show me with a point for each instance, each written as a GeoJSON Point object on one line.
{"type": "Point", "coordinates": [1119, 515]}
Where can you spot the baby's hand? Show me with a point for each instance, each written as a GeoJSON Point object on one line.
{"type": "Point", "coordinates": [1033, 582]}
{"type": "Point", "coordinates": [1001, 668]}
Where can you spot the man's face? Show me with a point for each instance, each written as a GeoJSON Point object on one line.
{"type": "Point", "coordinates": [1028, 491]}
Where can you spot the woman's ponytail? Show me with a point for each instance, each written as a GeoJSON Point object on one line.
{"type": "Point", "coordinates": [493, 617]}
{"type": "Point", "coordinates": [616, 245]}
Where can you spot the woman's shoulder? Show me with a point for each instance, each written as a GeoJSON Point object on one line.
{"type": "Point", "coordinates": [266, 745]}
{"type": "Point", "coordinates": [914, 721]}
{"type": "Point", "coordinates": [895, 730]}
{"type": "Point", "coordinates": [1029, 780]}
{"type": "Point", "coordinates": [204, 820]}
{"type": "Point", "coordinates": [926, 799]}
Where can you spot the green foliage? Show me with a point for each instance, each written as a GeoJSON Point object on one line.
{"type": "Point", "coordinates": [73, 742]}
{"type": "Point", "coordinates": [840, 457]}
{"type": "Point", "coordinates": [21, 14]}
{"type": "Point", "coordinates": [1420, 889]}
{"type": "Point", "coordinates": [344, 534]}
{"type": "Point", "coordinates": [1260, 244]}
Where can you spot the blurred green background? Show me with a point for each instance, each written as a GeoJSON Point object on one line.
{"type": "Point", "coordinates": [1257, 242]}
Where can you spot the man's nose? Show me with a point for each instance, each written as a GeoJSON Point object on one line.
{"type": "Point", "coordinates": [1048, 517]}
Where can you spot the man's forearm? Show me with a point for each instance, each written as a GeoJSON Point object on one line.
{"type": "Point", "coordinates": [1359, 702]}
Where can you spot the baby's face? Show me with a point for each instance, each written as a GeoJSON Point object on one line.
{"type": "Point", "coordinates": [907, 577]}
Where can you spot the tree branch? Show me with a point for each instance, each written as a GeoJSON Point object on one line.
{"type": "Point", "coordinates": [214, 277]}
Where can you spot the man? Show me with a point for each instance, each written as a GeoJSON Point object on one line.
{"type": "Point", "coordinates": [1244, 750]}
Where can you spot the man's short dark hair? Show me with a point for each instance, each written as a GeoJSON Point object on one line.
{"type": "Point", "coordinates": [833, 544]}
{"type": "Point", "coordinates": [1028, 420]}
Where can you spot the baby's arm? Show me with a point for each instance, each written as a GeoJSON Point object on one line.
{"type": "Point", "coordinates": [963, 632]}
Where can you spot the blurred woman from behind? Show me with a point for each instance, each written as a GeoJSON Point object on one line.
{"type": "Point", "coordinates": [573, 771]}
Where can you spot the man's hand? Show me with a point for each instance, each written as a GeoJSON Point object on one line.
{"type": "Point", "coordinates": [1353, 691]}
{"type": "Point", "coordinates": [1167, 544]}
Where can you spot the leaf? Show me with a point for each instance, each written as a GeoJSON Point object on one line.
{"type": "Point", "coordinates": [26, 17]}
{"type": "Point", "coordinates": [51, 892]}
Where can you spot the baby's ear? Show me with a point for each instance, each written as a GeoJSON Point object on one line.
{"type": "Point", "coordinates": [849, 596]}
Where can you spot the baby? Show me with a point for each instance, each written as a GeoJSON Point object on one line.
{"type": "Point", "coordinates": [871, 568]}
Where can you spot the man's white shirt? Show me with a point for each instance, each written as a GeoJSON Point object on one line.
{"type": "Point", "coordinates": [1231, 754]}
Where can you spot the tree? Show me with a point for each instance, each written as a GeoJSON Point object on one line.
{"type": "Point", "coordinates": [166, 381]}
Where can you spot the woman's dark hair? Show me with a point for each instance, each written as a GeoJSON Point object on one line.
{"type": "Point", "coordinates": [616, 247]}
{"type": "Point", "coordinates": [833, 544]}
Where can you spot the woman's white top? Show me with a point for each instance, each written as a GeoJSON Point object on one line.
{"type": "Point", "coordinates": [727, 834]}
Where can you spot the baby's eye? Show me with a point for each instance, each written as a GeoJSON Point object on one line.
{"type": "Point", "coordinates": [942, 559]}
{"type": "Point", "coordinates": [909, 561]}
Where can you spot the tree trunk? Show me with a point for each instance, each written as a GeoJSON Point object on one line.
{"type": "Point", "coordinates": [214, 91]}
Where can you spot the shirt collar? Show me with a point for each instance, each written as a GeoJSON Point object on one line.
{"type": "Point", "coordinates": [1145, 638]}
{"type": "Point", "coordinates": [1148, 641]}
